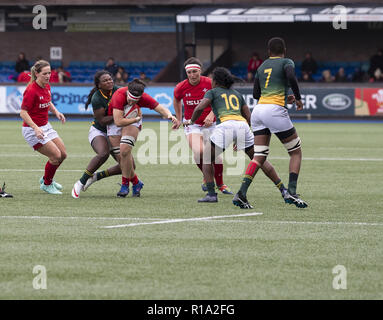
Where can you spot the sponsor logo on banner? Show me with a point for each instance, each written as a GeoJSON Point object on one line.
{"type": "Point", "coordinates": [3, 97]}
{"type": "Point", "coordinates": [14, 99]}
{"type": "Point", "coordinates": [336, 101]}
{"type": "Point", "coordinates": [368, 101]}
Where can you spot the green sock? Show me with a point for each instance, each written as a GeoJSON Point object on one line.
{"type": "Point", "coordinates": [293, 180]}
{"type": "Point", "coordinates": [85, 176]}
{"type": "Point", "coordinates": [246, 182]}
{"type": "Point", "coordinates": [102, 174]}
{"type": "Point", "coordinates": [210, 188]}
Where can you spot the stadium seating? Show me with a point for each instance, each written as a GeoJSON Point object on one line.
{"type": "Point", "coordinates": [83, 71]}
{"type": "Point", "coordinates": [240, 68]}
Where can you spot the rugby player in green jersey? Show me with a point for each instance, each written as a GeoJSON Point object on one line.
{"type": "Point", "coordinates": [233, 118]}
{"type": "Point", "coordinates": [99, 97]}
{"type": "Point", "coordinates": [272, 81]}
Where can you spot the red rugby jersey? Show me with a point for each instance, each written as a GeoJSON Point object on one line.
{"type": "Point", "coordinates": [37, 102]}
{"type": "Point", "coordinates": [119, 101]}
{"type": "Point", "coordinates": [191, 96]}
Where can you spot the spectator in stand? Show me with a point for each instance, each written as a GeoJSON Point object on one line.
{"type": "Point", "coordinates": [144, 78]}
{"type": "Point", "coordinates": [111, 66]}
{"type": "Point", "coordinates": [306, 77]}
{"type": "Point", "coordinates": [24, 76]}
{"type": "Point", "coordinates": [359, 75]}
{"type": "Point", "coordinates": [378, 76]}
{"type": "Point", "coordinates": [309, 65]}
{"type": "Point", "coordinates": [121, 77]}
{"type": "Point", "coordinates": [254, 63]}
{"type": "Point", "coordinates": [22, 63]}
{"type": "Point", "coordinates": [327, 76]}
{"type": "Point", "coordinates": [59, 75]}
{"type": "Point", "coordinates": [376, 62]}
{"type": "Point", "coordinates": [341, 75]}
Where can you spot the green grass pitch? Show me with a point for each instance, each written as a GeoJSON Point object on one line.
{"type": "Point", "coordinates": [285, 253]}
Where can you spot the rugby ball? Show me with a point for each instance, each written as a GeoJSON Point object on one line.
{"type": "Point", "coordinates": [130, 112]}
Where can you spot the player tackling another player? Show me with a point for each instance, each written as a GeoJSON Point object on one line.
{"type": "Point", "coordinates": [99, 97]}
{"type": "Point", "coordinates": [272, 81]}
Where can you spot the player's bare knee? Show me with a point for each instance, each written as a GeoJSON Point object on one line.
{"type": "Point", "coordinates": [103, 156]}
{"type": "Point", "coordinates": [56, 159]}
{"type": "Point", "coordinates": [63, 156]}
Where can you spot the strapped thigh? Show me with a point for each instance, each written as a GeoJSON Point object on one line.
{"type": "Point", "coordinates": [128, 140]}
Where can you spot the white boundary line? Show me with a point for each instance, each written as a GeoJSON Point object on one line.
{"type": "Point", "coordinates": [79, 218]}
{"type": "Point", "coordinates": [182, 220]}
{"type": "Point", "coordinates": [215, 218]}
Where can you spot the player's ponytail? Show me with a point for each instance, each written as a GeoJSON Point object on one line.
{"type": "Point", "coordinates": [97, 77]}
{"type": "Point", "coordinates": [36, 68]}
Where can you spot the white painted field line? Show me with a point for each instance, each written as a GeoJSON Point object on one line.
{"type": "Point", "coordinates": [74, 218]}
{"type": "Point", "coordinates": [183, 220]}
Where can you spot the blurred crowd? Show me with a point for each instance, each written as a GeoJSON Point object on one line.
{"type": "Point", "coordinates": [309, 70]}
{"type": "Point", "coordinates": [60, 75]}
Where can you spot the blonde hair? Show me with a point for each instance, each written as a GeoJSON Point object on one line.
{"type": "Point", "coordinates": [37, 67]}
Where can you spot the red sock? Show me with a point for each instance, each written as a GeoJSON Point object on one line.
{"type": "Point", "coordinates": [134, 179]}
{"type": "Point", "coordinates": [50, 170]}
{"type": "Point", "coordinates": [125, 181]}
{"type": "Point", "coordinates": [250, 171]}
{"type": "Point", "coordinates": [218, 169]}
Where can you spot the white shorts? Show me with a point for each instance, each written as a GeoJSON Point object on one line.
{"type": "Point", "coordinates": [233, 131]}
{"type": "Point", "coordinates": [196, 128]}
{"type": "Point", "coordinates": [94, 132]}
{"type": "Point", "coordinates": [271, 116]}
{"type": "Point", "coordinates": [30, 136]}
{"type": "Point", "coordinates": [113, 130]}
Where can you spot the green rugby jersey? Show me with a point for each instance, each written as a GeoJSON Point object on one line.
{"type": "Point", "coordinates": [99, 100]}
{"type": "Point", "coordinates": [273, 81]}
{"type": "Point", "coordinates": [226, 104]}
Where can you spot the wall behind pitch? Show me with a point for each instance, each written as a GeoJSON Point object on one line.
{"type": "Point", "coordinates": [89, 46]}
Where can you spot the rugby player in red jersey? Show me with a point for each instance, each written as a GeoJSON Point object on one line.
{"type": "Point", "coordinates": [125, 107]}
{"type": "Point", "coordinates": [37, 131]}
{"type": "Point", "coordinates": [191, 91]}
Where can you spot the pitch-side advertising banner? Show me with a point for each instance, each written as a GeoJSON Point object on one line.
{"type": "Point", "coordinates": [330, 102]}
{"type": "Point", "coordinates": [316, 101]}
{"type": "Point", "coordinates": [71, 100]}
